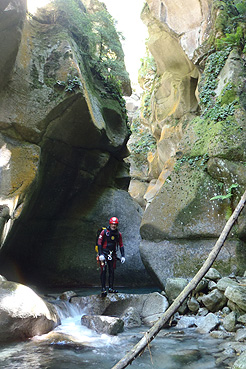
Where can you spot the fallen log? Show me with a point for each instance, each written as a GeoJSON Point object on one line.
{"type": "Point", "coordinates": [154, 330]}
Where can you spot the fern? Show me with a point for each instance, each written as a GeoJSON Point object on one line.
{"type": "Point", "coordinates": [228, 195]}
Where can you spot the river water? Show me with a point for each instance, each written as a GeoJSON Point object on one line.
{"type": "Point", "coordinates": [73, 346]}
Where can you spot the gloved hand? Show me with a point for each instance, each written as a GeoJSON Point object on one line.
{"type": "Point", "coordinates": [101, 257]}
{"type": "Point", "coordinates": [122, 260]}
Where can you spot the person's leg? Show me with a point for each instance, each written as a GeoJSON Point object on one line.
{"type": "Point", "coordinates": [103, 279]}
{"type": "Point", "coordinates": [111, 277]}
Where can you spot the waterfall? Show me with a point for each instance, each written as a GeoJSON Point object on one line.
{"type": "Point", "coordinates": [66, 309]}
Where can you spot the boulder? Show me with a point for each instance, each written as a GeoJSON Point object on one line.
{"type": "Point", "coordinates": [237, 295]}
{"type": "Point", "coordinates": [224, 282]}
{"type": "Point", "coordinates": [213, 274]}
{"type": "Point", "coordinates": [23, 313]}
{"type": "Point", "coordinates": [174, 286]}
{"type": "Point", "coordinates": [242, 319]}
{"type": "Point", "coordinates": [214, 301]}
{"type": "Point", "coordinates": [186, 322]}
{"type": "Point", "coordinates": [131, 318]}
{"type": "Point", "coordinates": [193, 304]}
{"type": "Point", "coordinates": [103, 324]}
{"type": "Point", "coordinates": [154, 304]}
{"type": "Point", "coordinates": [229, 322]}
{"type": "Point", "coordinates": [145, 305]}
{"type": "Point", "coordinates": [240, 335]}
{"type": "Point", "coordinates": [207, 323]}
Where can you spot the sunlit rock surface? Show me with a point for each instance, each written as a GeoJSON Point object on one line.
{"type": "Point", "coordinates": [197, 158]}
{"type": "Point", "coordinates": [23, 313]}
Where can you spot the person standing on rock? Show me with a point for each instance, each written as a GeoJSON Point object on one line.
{"type": "Point", "coordinates": [108, 241]}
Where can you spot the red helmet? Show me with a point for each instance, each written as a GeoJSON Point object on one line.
{"type": "Point", "coordinates": [113, 220]}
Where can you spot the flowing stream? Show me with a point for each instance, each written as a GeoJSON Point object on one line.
{"type": "Point", "coordinates": [73, 346]}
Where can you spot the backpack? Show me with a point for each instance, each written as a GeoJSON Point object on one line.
{"type": "Point", "coordinates": [98, 234]}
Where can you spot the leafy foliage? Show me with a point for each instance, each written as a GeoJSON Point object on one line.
{"type": "Point", "coordinates": [228, 195]}
{"type": "Point", "coordinates": [148, 74]}
{"type": "Point", "coordinates": [144, 142]}
{"type": "Point", "coordinates": [98, 41]}
{"type": "Point", "coordinates": [230, 23]}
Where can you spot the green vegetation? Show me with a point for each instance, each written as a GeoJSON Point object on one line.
{"type": "Point", "coordinates": [198, 161]}
{"type": "Point", "coordinates": [98, 43]}
{"type": "Point", "coordinates": [70, 85]}
{"type": "Point", "coordinates": [230, 23]}
{"type": "Point", "coordinates": [228, 195]}
{"type": "Point", "coordinates": [147, 75]}
{"type": "Point", "coordinates": [144, 141]}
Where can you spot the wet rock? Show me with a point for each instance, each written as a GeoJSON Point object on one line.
{"type": "Point", "coordinates": [208, 323]}
{"type": "Point", "coordinates": [229, 322]}
{"type": "Point", "coordinates": [68, 295]}
{"type": "Point", "coordinates": [103, 324]}
{"type": "Point", "coordinates": [224, 282]}
{"type": "Point", "coordinates": [237, 294]}
{"type": "Point", "coordinates": [213, 274]}
{"type": "Point", "coordinates": [214, 301]}
{"type": "Point", "coordinates": [146, 305]}
{"type": "Point", "coordinates": [220, 334]}
{"type": "Point", "coordinates": [23, 313]}
{"type": "Point", "coordinates": [131, 318]}
{"type": "Point", "coordinates": [186, 322]}
{"type": "Point", "coordinates": [186, 356]}
{"type": "Point", "coordinates": [240, 363]}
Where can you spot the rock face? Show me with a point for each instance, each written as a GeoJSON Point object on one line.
{"type": "Point", "coordinates": [23, 313]}
{"type": "Point", "coordinates": [63, 137]}
{"type": "Point", "coordinates": [198, 118]}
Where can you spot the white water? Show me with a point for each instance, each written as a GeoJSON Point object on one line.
{"type": "Point", "coordinates": [73, 346]}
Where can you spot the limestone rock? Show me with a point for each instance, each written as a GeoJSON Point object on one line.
{"type": "Point", "coordinates": [223, 283]}
{"type": "Point", "coordinates": [240, 335]}
{"type": "Point", "coordinates": [214, 301]}
{"type": "Point", "coordinates": [237, 294]}
{"type": "Point", "coordinates": [154, 304]}
{"type": "Point", "coordinates": [207, 323]}
{"type": "Point", "coordinates": [213, 274]}
{"type": "Point", "coordinates": [242, 319]}
{"type": "Point", "coordinates": [174, 286]}
{"type": "Point", "coordinates": [186, 322]}
{"type": "Point", "coordinates": [12, 15]}
{"type": "Point", "coordinates": [193, 304]}
{"type": "Point", "coordinates": [62, 148]}
{"type": "Point", "coordinates": [23, 313]}
{"type": "Point", "coordinates": [131, 318]}
{"type": "Point", "coordinates": [229, 322]}
{"type": "Point", "coordinates": [103, 324]}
